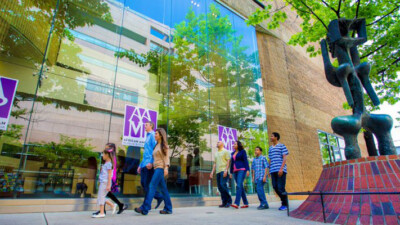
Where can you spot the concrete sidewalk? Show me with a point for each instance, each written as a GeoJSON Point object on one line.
{"type": "Point", "coordinates": [186, 216]}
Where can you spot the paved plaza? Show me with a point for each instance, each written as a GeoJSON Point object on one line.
{"type": "Point", "coordinates": [186, 216]}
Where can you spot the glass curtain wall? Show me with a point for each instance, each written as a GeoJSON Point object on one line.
{"type": "Point", "coordinates": [332, 147]}
{"type": "Point", "coordinates": [80, 62]}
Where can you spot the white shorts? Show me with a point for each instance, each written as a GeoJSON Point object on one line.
{"type": "Point", "coordinates": [101, 194]}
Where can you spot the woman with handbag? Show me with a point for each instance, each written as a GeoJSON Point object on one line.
{"type": "Point", "coordinates": [110, 147]}
{"type": "Point", "coordinates": [240, 169]}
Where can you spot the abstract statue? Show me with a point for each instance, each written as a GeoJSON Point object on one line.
{"type": "Point", "coordinates": [352, 76]}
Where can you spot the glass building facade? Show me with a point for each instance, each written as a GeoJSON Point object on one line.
{"type": "Point", "coordinates": [80, 62]}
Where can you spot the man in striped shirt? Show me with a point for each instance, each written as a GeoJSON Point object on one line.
{"type": "Point", "coordinates": [277, 157]}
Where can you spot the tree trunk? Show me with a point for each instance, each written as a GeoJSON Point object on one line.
{"type": "Point", "coordinates": [369, 140]}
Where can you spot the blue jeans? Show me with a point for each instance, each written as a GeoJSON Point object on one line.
{"type": "Point", "coordinates": [157, 181]}
{"type": "Point", "coordinates": [145, 178]}
{"type": "Point", "coordinates": [278, 183]}
{"type": "Point", "coordinates": [223, 188]}
{"type": "Point", "coordinates": [261, 193]}
{"type": "Point", "coordinates": [240, 193]}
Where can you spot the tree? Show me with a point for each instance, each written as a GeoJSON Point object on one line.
{"type": "Point", "coordinates": [255, 138]}
{"type": "Point", "coordinates": [69, 151]}
{"type": "Point", "coordinates": [208, 81]}
{"type": "Point", "coordinates": [382, 50]}
{"type": "Point", "coordinates": [26, 27]}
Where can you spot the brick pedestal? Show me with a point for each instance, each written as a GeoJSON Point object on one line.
{"type": "Point", "coordinates": [371, 174]}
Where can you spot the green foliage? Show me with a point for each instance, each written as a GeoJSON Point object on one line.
{"type": "Point", "coordinates": [38, 16]}
{"type": "Point", "coordinates": [346, 106]}
{"type": "Point", "coordinates": [382, 50]}
{"type": "Point", "coordinates": [13, 133]}
{"type": "Point", "coordinates": [71, 13]}
{"type": "Point", "coordinates": [69, 151]}
{"type": "Point", "coordinates": [253, 138]}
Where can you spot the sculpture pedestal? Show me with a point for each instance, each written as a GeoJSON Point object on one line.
{"type": "Point", "coordinates": [371, 174]}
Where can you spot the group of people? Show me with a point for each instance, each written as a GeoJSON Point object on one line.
{"type": "Point", "coordinates": [238, 165]}
{"type": "Point", "coordinates": [153, 170]}
{"type": "Point", "coordinates": [155, 164]}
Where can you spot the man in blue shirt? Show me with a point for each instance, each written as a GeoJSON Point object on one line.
{"type": "Point", "coordinates": [146, 169]}
{"type": "Point", "coordinates": [277, 157]}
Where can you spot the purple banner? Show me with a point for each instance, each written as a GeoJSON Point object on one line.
{"type": "Point", "coordinates": [228, 136]}
{"type": "Point", "coordinates": [8, 87]}
{"type": "Point", "coordinates": [134, 120]}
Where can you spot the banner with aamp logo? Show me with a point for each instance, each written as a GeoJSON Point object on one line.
{"type": "Point", "coordinates": [228, 136]}
{"type": "Point", "coordinates": [8, 87]}
{"type": "Point", "coordinates": [134, 121]}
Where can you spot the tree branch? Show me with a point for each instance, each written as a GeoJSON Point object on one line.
{"type": "Point", "coordinates": [387, 67]}
{"type": "Point", "coordinates": [358, 7]}
{"type": "Point", "coordinates": [376, 21]}
{"type": "Point", "coordinates": [312, 12]}
{"type": "Point", "coordinates": [327, 5]}
{"type": "Point", "coordinates": [300, 10]}
{"type": "Point", "coordinates": [379, 48]}
{"type": "Point", "coordinates": [338, 10]}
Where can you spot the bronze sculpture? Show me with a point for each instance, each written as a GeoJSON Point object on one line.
{"type": "Point", "coordinates": [352, 76]}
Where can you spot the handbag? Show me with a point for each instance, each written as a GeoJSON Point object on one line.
{"type": "Point", "coordinates": [114, 186]}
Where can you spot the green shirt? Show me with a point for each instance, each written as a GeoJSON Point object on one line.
{"type": "Point", "coordinates": [221, 159]}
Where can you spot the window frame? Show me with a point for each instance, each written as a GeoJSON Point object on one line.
{"type": "Point", "coordinates": [332, 148]}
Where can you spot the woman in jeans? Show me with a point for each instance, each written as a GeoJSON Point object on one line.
{"type": "Point", "coordinates": [240, 169]}
{"type": "Point", "coordinates": [161, 165]}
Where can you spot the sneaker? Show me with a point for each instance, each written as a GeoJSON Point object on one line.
{"type": "Point", "coordinates": [227, 205]}
{"type": "Point", "coordinates": [96, 213]}
{"type": "Point", "coordinates": [282, 208]}
{"type": "Point", "coordinates": [114, 209]}
{"type": "Point", "coordinates": [98, 216]}
{"type": "Point", "coordinates": [221, 206]}
{"type": "Point", "coordinates": [122, 208]}
{"type": "Point", "coordinates": [165, 212]}
{"type": "Point", "coordinates": [139, 210]}
{"type": "Point", "coordinates": [261, 207]}
{"type": "Point", "coordinates": [245, 206]}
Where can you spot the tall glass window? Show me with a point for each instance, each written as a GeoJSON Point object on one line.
{"type": "Point", "coordinates": [80, 62]}
{"type": "Point", "coordinates": [332, 147]}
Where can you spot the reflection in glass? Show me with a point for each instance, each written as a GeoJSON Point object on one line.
{"type": "Point", "coordinates": [194, 62]}
{"type": "Point", "coordinates": [332, 148]}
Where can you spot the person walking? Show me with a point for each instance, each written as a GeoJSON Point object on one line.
{"type": "Point", "coordinates": [221, 166]}
{"type": "Point", "coordinates": [277, 155]}
{"type": "Point", "coordinates": [105, 178]}
{"type": "Point", "coordinates": [259, 169]}
{"type": "Point", "coordinates": [146, 169]}
{"type": "Point", "coordinates": [161, 165]}
{"type": "Point", "coordinates": [239, 167]}
{"type": "Point", "coordinates": [111, 148]}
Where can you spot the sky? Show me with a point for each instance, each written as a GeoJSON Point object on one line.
{"type": "Point", "coordinates": [392, 110]}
